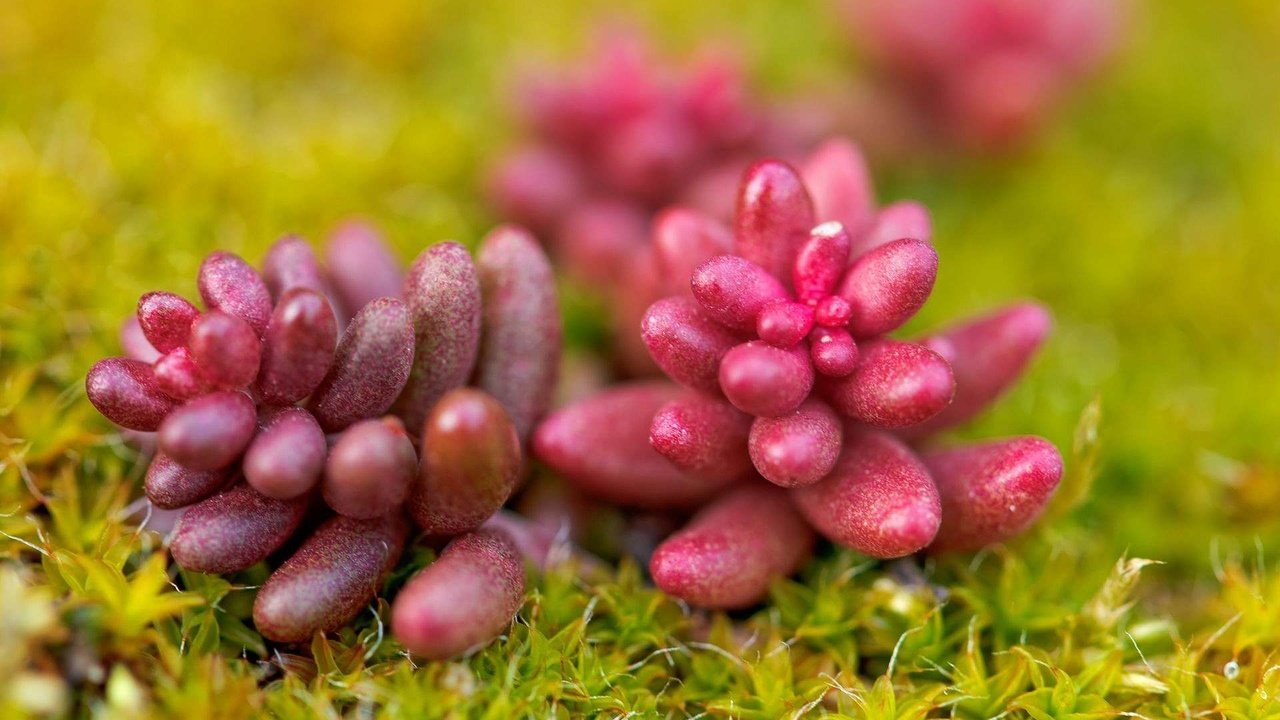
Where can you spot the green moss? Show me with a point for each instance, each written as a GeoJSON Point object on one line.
{"type": "Point", "coordinates": [137, 135]}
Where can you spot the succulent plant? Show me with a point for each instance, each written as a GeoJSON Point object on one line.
{"type": "Point", "coordinates": [788, 378]}
{"type": "Point", "coordinates": [269, 422]}
{"type": "Point", "coordinates": [983, 72]}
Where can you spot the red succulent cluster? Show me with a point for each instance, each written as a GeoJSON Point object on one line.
{"type": "Point", "coordinates": [984, 72]}
{"type": "Point", "coordinates": [796, 410]}
{"type": "Point", "coordinates": [275, 416]}
{"type": "Point", "coordinates": [624, 137]}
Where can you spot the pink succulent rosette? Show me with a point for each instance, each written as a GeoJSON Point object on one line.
{"type": "Point", "coordinates": [337, 402]}
{"type": "Point", "coordinates": [985, 73]}
{"type": "Point", "coordinates": [785, 377]}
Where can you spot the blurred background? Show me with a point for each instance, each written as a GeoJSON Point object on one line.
{"type": "Point", "coordinates": [138, 135]}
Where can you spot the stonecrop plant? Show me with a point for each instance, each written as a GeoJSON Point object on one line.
{"type": "Point", "coordinates": [792, 409]}
{"type": "Point", "coordinates": [984, 73]}
{"type": "Point", "coordinates": [304, 412]}
{"type": "Point", "coordinates": [623, 135]}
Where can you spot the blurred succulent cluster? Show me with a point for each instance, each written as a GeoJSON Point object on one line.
{"type": "Point", "coordinates": [791, 408]}
{"type": "Point", "coordinates": [306, 410]}
{"type": "Point", "coordinates": [981, 73]}
{"type": "Point", "coordinates": [624, 133]}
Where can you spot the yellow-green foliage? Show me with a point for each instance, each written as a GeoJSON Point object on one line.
{"type": "Point", "coordinates": [137, 135]}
